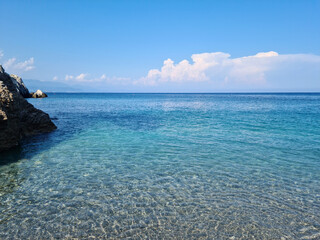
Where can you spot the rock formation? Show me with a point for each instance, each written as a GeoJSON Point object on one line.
{"type": "Point", "coordinates": [18, 118]}
{"type": "Point", "coordinates": [38, 94]}
{"type": "Point", "coordinates": [21, 88]}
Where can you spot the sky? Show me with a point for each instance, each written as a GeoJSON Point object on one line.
{"type": "Point", "coordinates": [163, 46]}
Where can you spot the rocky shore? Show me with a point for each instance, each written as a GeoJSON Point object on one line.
{"type": "Point", "coordinates": [38, 94]}
{"type": "Point", "coordinates": [19, 118]}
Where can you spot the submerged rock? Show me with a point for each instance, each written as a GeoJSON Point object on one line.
{"type": "Point", "coordinates": [18, 118]}
{"type": "Point", "coordinates": [38, 94]}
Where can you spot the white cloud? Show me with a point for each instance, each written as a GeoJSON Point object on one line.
{"type": "Point", "coordinates": [9, 62]}
{"type": "Point", "coordinates": [12, 65]}
{"type": "Point", "coordinates": [81, 77]}
{"type": "Point", "coordinates": [220, 67]}
{"type": "Point", "coordinates": [218, 70]}
{"type": "Point", "coordinates": [26, 65]}
{"type": "Point", "coordinates": [55, 78]}
{"type": "Point", "coordinates": [68, 77]}
{"type": "Point", "coordinates": [1, 54]}
{"type": "Point", "coordinates": [102, 80]}
{"type": "Point", "coordinates": [266, 54]}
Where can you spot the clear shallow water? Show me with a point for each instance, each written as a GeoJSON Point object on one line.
{"type": "Point", "coordinates": [202, 166]}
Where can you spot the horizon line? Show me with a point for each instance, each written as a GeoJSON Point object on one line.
{"type": "Point", "coordinates": [282, 92]}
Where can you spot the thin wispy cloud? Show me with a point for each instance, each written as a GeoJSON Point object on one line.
{"type": "Point", "coordinates": [81, 77]}
{"type": "Point", "coordinates": [13, 65]}
{"type": "Point", "coordinates": [69, 77]}
{"type": "Point", "coordinates": [85, 78]}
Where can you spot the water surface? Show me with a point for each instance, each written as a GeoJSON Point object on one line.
{"type": "Point", "coordinates": [238, 166]}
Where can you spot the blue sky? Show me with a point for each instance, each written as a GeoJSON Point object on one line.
{"type": "Point", "coordinates": [164, 46]}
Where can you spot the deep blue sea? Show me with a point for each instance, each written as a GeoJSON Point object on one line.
{"type": "Point", "coordinates": [167, 166]}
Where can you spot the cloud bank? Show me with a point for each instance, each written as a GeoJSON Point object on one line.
{"type": "Point", "coordinates": [220, 69]}
{"type": "Point", "coordinates": [205, 72]}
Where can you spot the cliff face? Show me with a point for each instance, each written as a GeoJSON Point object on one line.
{"type": "Point", "coordinates": [18, 118]}
{"type": "Point", "coordinates": [21, 88]}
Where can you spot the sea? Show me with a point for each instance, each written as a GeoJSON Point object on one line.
{"type": "Point", "coordinates": [167, 166]}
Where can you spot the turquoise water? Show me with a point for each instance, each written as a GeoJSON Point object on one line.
{"type": "Point", "coordinates": [163, 166]}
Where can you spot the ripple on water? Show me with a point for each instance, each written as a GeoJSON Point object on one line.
{"type": "Point", "coordinates": [166, 166]}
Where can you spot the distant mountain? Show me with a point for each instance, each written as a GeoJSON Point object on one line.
{"type": "Point", "coordinates": [48, 86]}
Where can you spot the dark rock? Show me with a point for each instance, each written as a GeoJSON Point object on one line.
{"type": "Point", "coordinates": [18, 118]}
